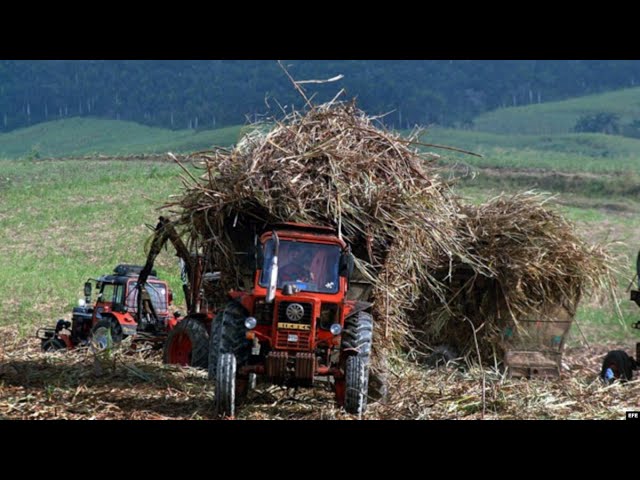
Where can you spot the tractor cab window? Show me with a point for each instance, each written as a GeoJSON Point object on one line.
{"type": "Point", "coordinates": [157, 292]}
{"type": "Point", "coordinates": [311, 267]}
{"type": "Point", "coordinates": [111, 293]}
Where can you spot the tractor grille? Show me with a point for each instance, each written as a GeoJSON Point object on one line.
{"type": "Point", "coordinates": [293, 339]}
{"type": "Point", "coordinates": [306, 317]}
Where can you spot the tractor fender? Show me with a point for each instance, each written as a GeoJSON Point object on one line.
{"type": "Point", "coordinates": [244, 299]}
{"type": "Point", "coordinates": [122, 318]}
{"type": "Point", "coordinates": [126, 321]}
{"type": "Point", "coordinates": [353, 307]}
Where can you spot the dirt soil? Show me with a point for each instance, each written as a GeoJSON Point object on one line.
{"type": "Point", "coordinates": [74, 385]}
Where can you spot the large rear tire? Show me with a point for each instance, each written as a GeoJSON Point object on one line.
{"type": "Point", "coordinates": [187, 344]}
{"type": "Point", "coordinates": [226, 385]}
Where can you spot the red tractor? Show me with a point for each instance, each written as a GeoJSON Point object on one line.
{"type": "Point", "coordinates": [124, 307]}
{"type": "Point", "coordinates": [295, 324]}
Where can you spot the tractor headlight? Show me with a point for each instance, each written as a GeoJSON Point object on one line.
{"type": "Point", "coordinates": [335, 329]}
{"type": "Point", "coordinates": [250, 323]}
{"type": "Point", "coordinates": [82, 302]}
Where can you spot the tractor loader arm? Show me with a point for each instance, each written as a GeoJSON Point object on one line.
{"type": "Point", "coordinates": [165, 231]}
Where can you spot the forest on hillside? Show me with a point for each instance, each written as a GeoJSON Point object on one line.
{"type": "Point", "coordinates": [205, 94]}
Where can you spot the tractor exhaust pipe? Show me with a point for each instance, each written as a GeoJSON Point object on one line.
{"type": "Point", "coordinates": [273, 278]}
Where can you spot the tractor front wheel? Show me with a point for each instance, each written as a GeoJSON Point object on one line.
{"type": "Point", "coordinates": [187, 344]}
{"type": "Point", "coordinates": [228, 335]}
{"type": "Point", "coordinates": [356, 339]}
{"type": "Point", "coordinates": [106, 333]}
{"type": "Point", "coordinates": [226, 385]}
{"type": "Point", "coordinates": [356, 385]}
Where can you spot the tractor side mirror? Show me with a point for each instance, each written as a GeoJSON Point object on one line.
{"type": "Point", "coordinates": [347, 263]}
{"type": "Point", "coordinates": [87, 291]}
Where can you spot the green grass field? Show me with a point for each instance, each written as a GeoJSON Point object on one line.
{"type": "Point", "coordinates": [583, 164]}
{"type": "Point", "coordinates": [62, 222]}
{"type": "Point", "coordinates": [560, 117]}
{"type": "Point", "coordinates": [565, 152]}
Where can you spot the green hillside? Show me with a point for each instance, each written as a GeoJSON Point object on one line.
{"type": "Point", "coordinates": [585, 152]}
{"type": "Point", "coordinates": [86, 136]}
{"type": "Point", "coordinates": [594, 165]}
{"type": "Point", "coordinates": [560, 117]}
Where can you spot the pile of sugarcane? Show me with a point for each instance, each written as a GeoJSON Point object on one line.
{"type": "Point", "coordinates": [536, 270]}
{"type": "Point", "coordinates": [438, 266]}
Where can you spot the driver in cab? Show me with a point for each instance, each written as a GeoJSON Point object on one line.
{"type": "Point", "coordinates": [298, 266]}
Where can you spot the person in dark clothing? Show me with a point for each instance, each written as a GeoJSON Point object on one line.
{"type": "Point", "coordinates": [297, 267]}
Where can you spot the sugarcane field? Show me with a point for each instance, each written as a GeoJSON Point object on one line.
{"type": "Point", "coordinates": [321, 267]}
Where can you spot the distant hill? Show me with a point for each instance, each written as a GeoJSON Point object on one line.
{"type": "Point", "coordinates": [563, 116]}
{"type": "Point", "coordinates": [86, 136]}
{"type": "Point", "coordinates": [540, 128]}
{"type": "Point", "coordinates": [209, 94]}
{"type": "Point", "coordinates": [537, 136]}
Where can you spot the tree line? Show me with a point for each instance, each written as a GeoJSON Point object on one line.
{"type": "Point", "coordinates": [206, 94]}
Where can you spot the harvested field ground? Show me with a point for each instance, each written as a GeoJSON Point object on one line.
{"type": "Point", "coordinates": [34, 385]}
{"type": "Point", "coordinates": [61, 222]}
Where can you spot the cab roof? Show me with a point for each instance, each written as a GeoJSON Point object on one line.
{"type": "Point", "coordinates": [124, 272]}
{"type": "Point", "coordinates": [301, 227]}
{"type": "Point", "coordinates": [304, 233]}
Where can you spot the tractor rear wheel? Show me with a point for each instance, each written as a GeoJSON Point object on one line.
{"type": "Point", "coordinates": [356, 385]}
{"type": "Point", "coordinates": [187, 344]}
{"type": "Point", "coordinates": [226, 385]}
{"type": "Point", "coordinates": [106, 333]}
{"type": "Point", "coordinates": [617, 365]}
{"type": "Point", "coordinates": [52, 344]}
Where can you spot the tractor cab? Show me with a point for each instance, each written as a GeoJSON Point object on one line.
{"type": "Point", "coordinates": [137, 308]}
